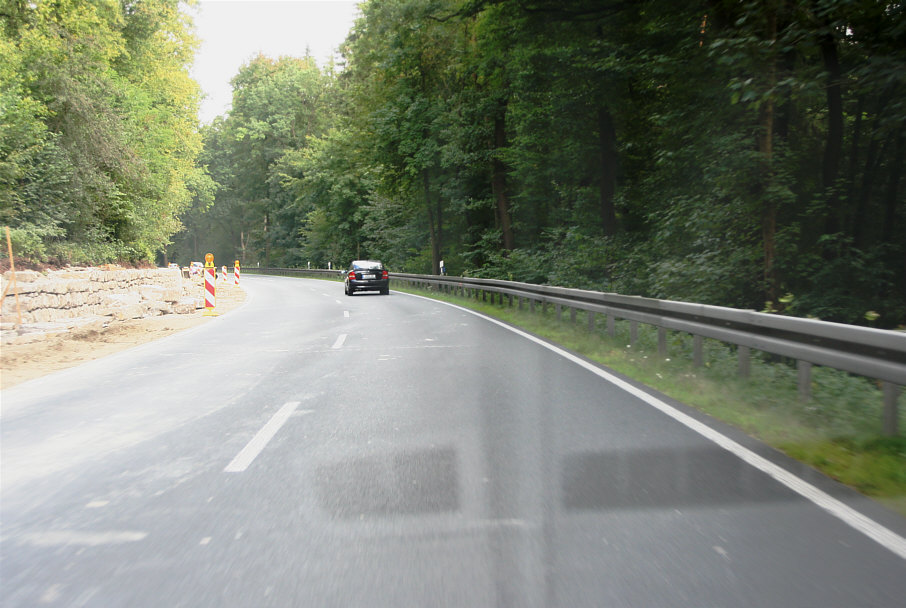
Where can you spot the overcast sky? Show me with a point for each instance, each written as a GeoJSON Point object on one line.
{"type": "Point", "coordinates": [234, 31]}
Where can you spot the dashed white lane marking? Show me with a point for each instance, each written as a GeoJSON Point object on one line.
{"type": "Point", "coordinates": [88, 539]}
{"type": "Point", "coordinates": [254, 447]}
{"type": "Point", "coordinates": [882, 535]}
{"type": "Point", "coordinates": [52, 594]}
{"type": "Point", "coordinates": [346, 314]}
{"type": "Point", "coordinates": [339, 343]}
{"type": "Point", "coordinates": [338, 302]}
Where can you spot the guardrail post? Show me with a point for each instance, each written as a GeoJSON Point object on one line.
{"type": "Point", "coordinates": [532, 305]}
{"type": "Point", "coordinates": [572, 315]}
{"type": "Point", "coordinates": [805, 380]}
{"type": "Point", "coordinates": [661, 342]}
{"type": "Point", "coordinates": [633, 332]}
{"type": "Point", "coordinates": [611, 326]}
{"type": "Point", "coordinates": [744, 361]}
{"type": "Point", "coordinates": [558, 311]}
{"type": "Point", "coordinates": [697, 358]}
{"type": "Point", "coordinates": [891, 415]}
{"type": "Point", "coordinates": [591, 321]}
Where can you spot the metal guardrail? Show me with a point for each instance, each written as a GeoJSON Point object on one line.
{"type": "Point", "coordinates": [864, 351]}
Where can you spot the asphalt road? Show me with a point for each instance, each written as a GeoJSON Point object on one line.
{"type": "Point", "coordinates": [313, 449]}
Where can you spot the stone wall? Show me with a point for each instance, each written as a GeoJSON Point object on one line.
{"type": "Point", "coordinates": [88, 293]}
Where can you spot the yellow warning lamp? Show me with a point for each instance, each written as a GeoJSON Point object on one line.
{"type": "Point", "coordinates": [209, 260]}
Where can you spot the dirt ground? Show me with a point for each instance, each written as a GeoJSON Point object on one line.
{"type": "Point", "coordinates": [53, 351]}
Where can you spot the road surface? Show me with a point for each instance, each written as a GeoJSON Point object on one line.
{"type": "Point", "coordinates": [313, 449]}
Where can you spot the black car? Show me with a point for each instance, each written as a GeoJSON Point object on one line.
{"type": "Point", "coordinates": [367, 275]}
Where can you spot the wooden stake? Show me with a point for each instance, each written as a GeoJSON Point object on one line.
{"type": "Point", "coordinates": [12, 273]}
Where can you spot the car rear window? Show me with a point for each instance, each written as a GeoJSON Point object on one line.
{"type": "Point", "coordinates": [366, 265]}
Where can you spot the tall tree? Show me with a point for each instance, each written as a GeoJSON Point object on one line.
{"type": "Point", "coordinates": [110, 157]}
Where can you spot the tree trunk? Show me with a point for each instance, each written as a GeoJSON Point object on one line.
{"type": "Point", "coordinates": [608, 140]}
{"type": "Point", "coordinates": [766, 150]}
{"type": "Point", "coordinates": [433, 224]}
{"type": "Point", "coordinates": [498, 183]}
{"type": "Point", "coordinates": [834, 144]}
{"type": "Point", "coordinates": [892, 198]}
{"type": "Point", "coordinates": [873, 158]}
{"type": "Point", "coordinates": [865, 193]}
{"type": "Point", "coordinates": [266, 252]}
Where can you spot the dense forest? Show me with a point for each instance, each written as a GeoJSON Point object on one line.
{"type": "Point", "coordinates": [98, 128]}
{"type": "Point", "coordinates": [747, 154]}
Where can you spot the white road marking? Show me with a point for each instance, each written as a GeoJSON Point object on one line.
{"type": "Point", "coordinates": [254, 447]}
{"type": "Point", "coordinates": [96, 504]}
{"type": "Point", "coordinates": [339, 343]}
{"type": "Point", "coordinates": [346, 313]}
{"type": "Point", "coordinates": [206, 540]}
{"type": "Point", "coordinates": [721, 552]}
{"type": "Point", "coordinates": [880, 534]}
{"type": "Point", "coordinates": [62, 538]}
{"type": "Point", "coordinates": [338, 301]}
{"type": "Point", "coordinates": [51, 595]}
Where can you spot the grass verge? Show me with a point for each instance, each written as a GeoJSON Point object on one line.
{"type": "Point", "coordinates": [837, 431]}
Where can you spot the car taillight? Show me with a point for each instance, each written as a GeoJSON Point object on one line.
{"type": "Point", "coordinates": [385, 275]}
{"type": "Point", "coordinates": [351, 275]}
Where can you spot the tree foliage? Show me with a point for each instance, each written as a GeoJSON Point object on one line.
{"type": "Point", "coordinates": [98, 140]}
{"type": "Point", "coordinates": [748, 153]}
{"type": "Point", "coordinates": [256, 155]}
{"type": "Point", "coordinates": [737, 153]}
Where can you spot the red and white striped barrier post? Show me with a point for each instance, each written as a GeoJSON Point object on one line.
{"type": "Point", "coordinates": [223, 273]}
{"type": "Point", "coordinates": [210, 275]}
{"type": "Point", "coordinates": [236, 272]}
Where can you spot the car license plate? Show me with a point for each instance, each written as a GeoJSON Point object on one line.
{"type": "Point", "coordinates": [367, 276]}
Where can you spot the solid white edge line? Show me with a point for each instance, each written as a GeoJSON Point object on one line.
{"type": "Point", "coordinates": [867, 526]}
{"type": "Point", "coordinates": [339, 343]}
{"type": "Point", "coordinates": [254, 447]}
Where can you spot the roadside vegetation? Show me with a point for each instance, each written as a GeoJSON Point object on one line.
{"type": "Point", "coordinates": [744, 154]}
{"type": "Point", "coordinates": [98, 129]}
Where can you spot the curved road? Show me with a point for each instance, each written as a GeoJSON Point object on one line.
{"type": "Point", "coordinates": [312, 449]}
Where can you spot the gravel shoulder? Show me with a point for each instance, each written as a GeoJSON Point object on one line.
{"type": "Point", "coordinates": [49, 351]}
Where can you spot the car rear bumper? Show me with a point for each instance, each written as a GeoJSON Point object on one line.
{"type": "Point", "coordinates": [371, 285]}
